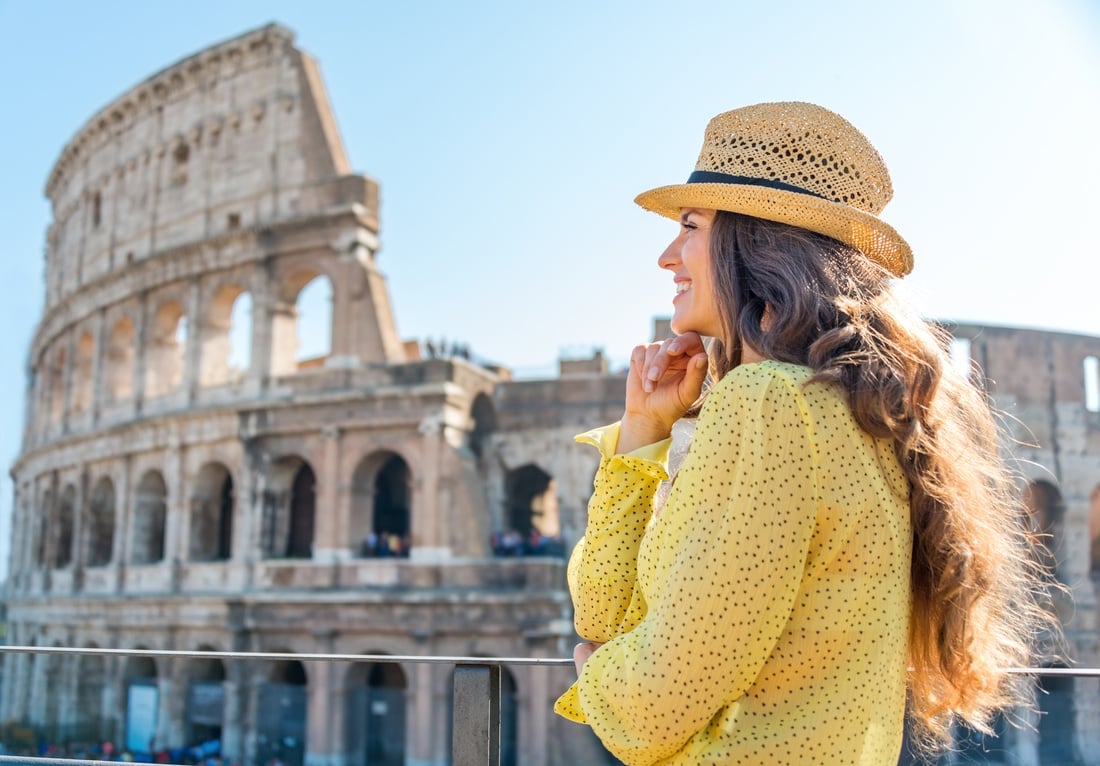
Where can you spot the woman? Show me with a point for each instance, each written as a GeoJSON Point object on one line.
{"type": "Point", "coordinates": [842, 531]}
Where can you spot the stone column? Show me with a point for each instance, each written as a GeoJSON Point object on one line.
{"type": "Point", "coordinates": [320, 745]}
{"type": "Point", "coordinates": [99, 334]}
{"type": "Point", "coordinates": [173, 703]}
{"type": "Point", "coordinates": [177, 511]}
{"type": "Point", "coordinates": [259, 364]}
{"type": "Point", "coordinates": [428, 542]}
{"type": "Point", "coordinates": [418, 716]}
{"type": "Point", "coordinates": [141, 352]}
{"type": "Point", "coordinates": [193, 351]}
{"type": "Point", "coordinates": [67, 380]}
{"type": "Point", "coordinates": [330, 535]}
{"type": "Point", "coordinates": [124, 503]}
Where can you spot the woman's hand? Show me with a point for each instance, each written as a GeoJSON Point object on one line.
{"type": "Point", "coordinates": [581, 653]}
{"type": "Point", "coordinates": [665, 380]}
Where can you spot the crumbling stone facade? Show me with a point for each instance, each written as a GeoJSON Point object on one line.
{"type": "Point", "coordinates": [174, 493]}
{"type": "Point", "coordinates": [170, 498]}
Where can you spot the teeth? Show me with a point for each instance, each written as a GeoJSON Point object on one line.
{"type": "Point", "coordinates": [682, 287]}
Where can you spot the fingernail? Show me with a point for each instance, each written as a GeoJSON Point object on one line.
{"type": "Point", "coordinates": [701, 362]}
{"type": "Point", "coordinates": [653, 373]}
{"type": "Point", "coordinates": [647, 386]}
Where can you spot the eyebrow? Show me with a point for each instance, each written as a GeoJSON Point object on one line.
{"type": "Point", "coordinates": [684, 215]}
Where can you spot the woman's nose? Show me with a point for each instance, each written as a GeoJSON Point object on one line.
{"type": "Point", "coordinates": [671, 256]}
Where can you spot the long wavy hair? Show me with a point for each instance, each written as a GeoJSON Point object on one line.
{"type": "Point", "coordinates": [978, 585]}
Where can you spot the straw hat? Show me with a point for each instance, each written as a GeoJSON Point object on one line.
{"type": "Point", "coordinates": [798, 164]}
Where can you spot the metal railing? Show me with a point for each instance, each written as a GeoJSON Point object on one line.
{"type": "Point", "coordinates": [476, 700]}
{"type": "Point", "coordinates": [476, 694]}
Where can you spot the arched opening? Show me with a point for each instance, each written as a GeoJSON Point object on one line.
{"type": "Point", "coordinates": [57, 387]}
{"type": "Point", "coordinates": [281, 723]}
{"type": "Point", "coordinates": [82, 373]}
{"type": "Point", "coordinates": [1047, 511]}
{"type": "Point", "coordinates": [150, 511]}
{"type": "Point", "coordinates": [289, 510]}
{"type": "Point", "coordinates": [90, 681]}
{"type": "Point", "coordinates": [483, 421]}
{"type": "Point", "coordinates": [165, 353]}
{"type": "Point", "coordinates": [314, 323]}
{"type": "Point", "coordinates": [381, 505]}
{"type": "Point", "coordinates": [226, 337]}
{"type": "Point", "coordinates": [212, 503]}
{"type": "Point", "coordinates": [376, 715]}
{"type": "Point", "coordinates": [205, 700]}
{"type": "Point", "coordinates": [302, 323]}
{"type": "Point", "coordinates": [100, 524]}
{"type": "Point", "coordinates": [533, 525]}
{"type": "Point", "coordinates": [63, 532]}
{"type": "Point", "coordinates": [119, 364]}
{"type": "Point", "coordinates": [142, 702]}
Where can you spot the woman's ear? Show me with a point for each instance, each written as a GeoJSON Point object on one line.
{"type": "Point", "coordinates": [767, 318]}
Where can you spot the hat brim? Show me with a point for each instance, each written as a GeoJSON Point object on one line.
{"type": "Point", "coordinates": [873, 237]}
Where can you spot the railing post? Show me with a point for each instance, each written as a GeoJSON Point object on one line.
{"type": "Point", "coordinates": [475, 740]}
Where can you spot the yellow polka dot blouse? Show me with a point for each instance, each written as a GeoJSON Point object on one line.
{"type": "Point", "coordinates": [761, 617]}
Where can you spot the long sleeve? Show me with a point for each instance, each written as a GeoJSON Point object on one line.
{"type": "Point", "coordinates": [603, 567]}
{"type": "Point", "coordinates": [768, 608]}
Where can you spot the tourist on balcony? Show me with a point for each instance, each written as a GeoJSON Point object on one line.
{"type": "Point", "coordinates": [842, 531]}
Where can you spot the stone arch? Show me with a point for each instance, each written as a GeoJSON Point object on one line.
{"type": "Point", "coordinates": [281, 723]}
{"type": "Point", "coordinates": [205, 707]}
{"type": "Point", "coordinates": [65, 522]}
{"type": "Point", "coordinates": [221, 361]}
{"type": "Point", "coordinates": [165, 351]}
{"type": "Point", "coordinates": [302, 323]}
{"type": "Point", "coordinates": [532, 502]}
{"type": "Point", "coordinates": [212, 504]}
{"type": "Point", "coordinates": [289, 509]}
{"type": "Point", "coordinates": [46, 514]}
{"type": "Point", "coordinates": [99, 526]}
{"type": "Point", "coordinates": [150, 514]}
{"type": "Point", "coordinates": [1046, 510]}
{"type": "Point", "coordinates": [90, 681]}
{"type": "Point", "coordinates": [119, 362]}
{"type": "Point", "coordinates": [382, 505]}
{"type": "Point", "coordinates": [142, 702]}
{"type": "Point", "coordinates": [82, 373]}
{"type": "Point", "coordinates": [483, 421]}
{"type": "Point", "coordinates": [375, 715]}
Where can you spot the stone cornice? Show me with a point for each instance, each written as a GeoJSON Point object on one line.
{"type": "Point", "coordinates": [154, 91]}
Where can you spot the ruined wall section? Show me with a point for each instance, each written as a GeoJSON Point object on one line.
{"type": "Point", "coordinates": [235, 136]}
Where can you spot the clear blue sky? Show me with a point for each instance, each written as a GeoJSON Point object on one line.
{"type": "Point", "coordinates": [510, 139]}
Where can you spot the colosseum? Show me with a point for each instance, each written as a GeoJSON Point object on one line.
{"type": "Point", "coordinates": [188, 481]}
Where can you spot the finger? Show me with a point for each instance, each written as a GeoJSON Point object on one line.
{"type": "Point", "coordinates": [653, 369]}
{"type": "Point", "coordinates": [690, 343]}
{"type": "Point", "coordinates": [668, 352]}
{"type": "Point", "coordinates": [694, 377]}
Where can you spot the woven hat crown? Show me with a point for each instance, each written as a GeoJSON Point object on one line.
{"type": "Point", "coordinates": [798, 164]}
{"type": "Point", "coordinates": [803, 145]}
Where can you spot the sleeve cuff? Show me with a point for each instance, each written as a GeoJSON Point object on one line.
{"type": "Point", "coordinates": [652, 459]}
{"type": "Point", "coordinates": [569, 706]}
